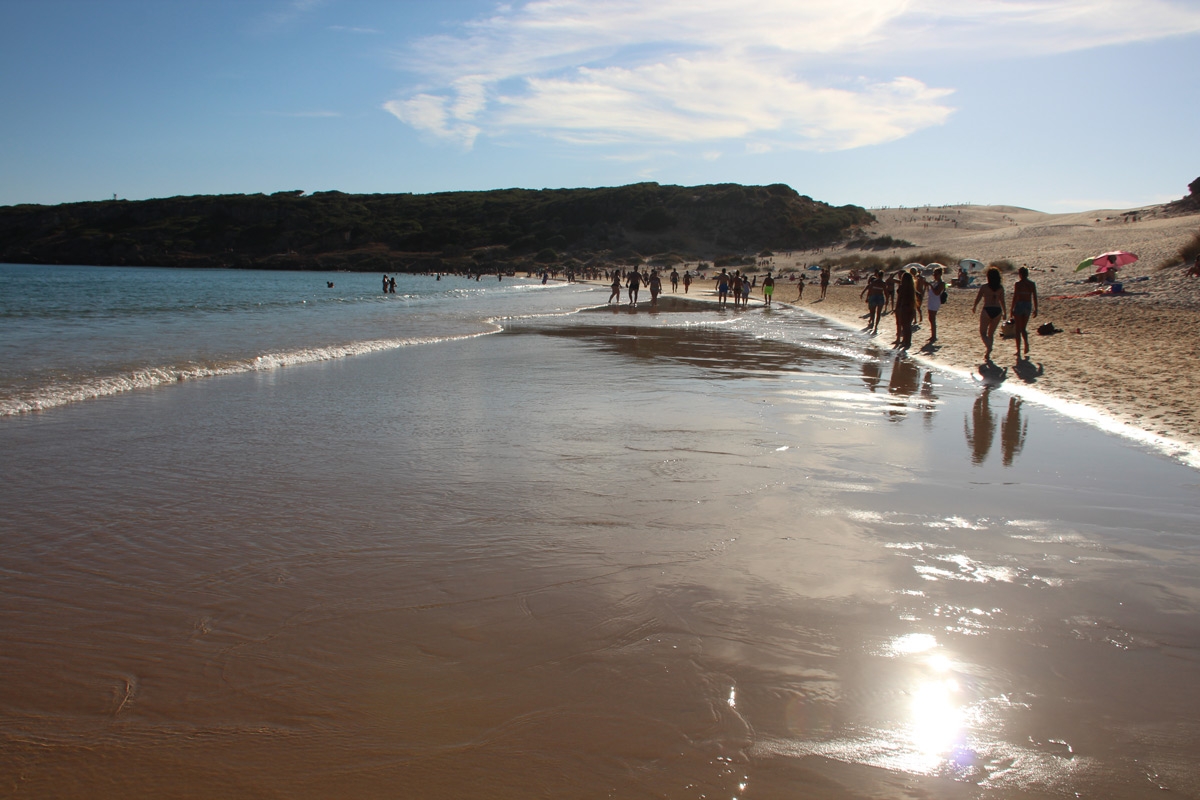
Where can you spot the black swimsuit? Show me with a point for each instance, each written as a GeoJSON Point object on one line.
{"type": "Point", "coordinates": [992, 311]}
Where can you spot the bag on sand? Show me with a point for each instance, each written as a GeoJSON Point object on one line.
{"type": "Point", "coordinates": [1048, 329]}
{"type": "Point", "coordinates": [945, 297]}
{"type": "Point", "coordinates": [1008, 329]}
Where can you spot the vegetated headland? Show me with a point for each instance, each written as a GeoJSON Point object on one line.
{"type": "Point", "coordinates": [487, 231]}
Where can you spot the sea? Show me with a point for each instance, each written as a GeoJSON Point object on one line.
{"type": "Point", "coordinates": [280, 534]}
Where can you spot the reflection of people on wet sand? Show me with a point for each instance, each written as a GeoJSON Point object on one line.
{"type": "Point", "coordinates": [980, 428]}
{"type": "Point", "coordinates": [1012, 431]}
{"type": "Point", "coordinates": [1024, 305]}
{"type": "Point", "coordinates": [991, 294]}
{"type": "Point", "coordinates": [928, 398]}
{"type": "Point", "coordinates": [871, 374]}
{"type": "Point", "coordinates": [902, 384]}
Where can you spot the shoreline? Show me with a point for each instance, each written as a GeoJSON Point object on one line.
{"type": "Point", "coordinates": [1128, 370]}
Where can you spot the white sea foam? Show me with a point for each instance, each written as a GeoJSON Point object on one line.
{"type": "Point", "coordinates": [54, 395]}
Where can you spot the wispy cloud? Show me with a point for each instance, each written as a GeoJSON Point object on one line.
{"type": "Point", "coordinates": [628, 72]}
{"type": "Point", "coordinates": [354, 29]}
{"type": "Point", "coordinates": [303, 114]}
{"type": "Point", "coordinates": [286, 13]}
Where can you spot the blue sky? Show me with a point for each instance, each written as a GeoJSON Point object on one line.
{"type": "Point", "coordinates": [1056, 105]}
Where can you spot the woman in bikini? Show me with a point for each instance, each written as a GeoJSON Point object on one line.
{"type": "Point", "coordinates": [991, 294]}
{"type": "Point", "coordinates": [1024, 305]}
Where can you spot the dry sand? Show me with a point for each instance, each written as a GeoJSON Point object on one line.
{"type": "Point", "coordinates": [1130, 356]}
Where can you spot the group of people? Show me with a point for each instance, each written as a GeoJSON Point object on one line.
{"type": "Point", "coordinates": [634, 280]}
{"type": "Point", "coordinates": [911, 298]}
{"type": "Point", "coordinates": [1024, 306]}
{"type": "Point", "coordinates": [905, 293]}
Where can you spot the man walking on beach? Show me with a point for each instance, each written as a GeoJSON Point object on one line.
{"type": "Point", "coordinates": [634, 283]}
{"type": "Point", "coordinates": [824, 281]}
{"type": "Point", "coordinates": [768, 289]}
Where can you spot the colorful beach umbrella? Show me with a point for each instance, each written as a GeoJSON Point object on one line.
{"type": "Point", "coordinates": [1106, 261]}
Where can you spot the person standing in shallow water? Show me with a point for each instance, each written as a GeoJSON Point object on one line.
{"type": "Point", "coordinates": [768, 289]}
{"type": "Point", "coordinates": [991, 294]}
{"type": "Point", "coordinates": [1024, 305]}
{"type": "Point", "coordinates": [634, 282]}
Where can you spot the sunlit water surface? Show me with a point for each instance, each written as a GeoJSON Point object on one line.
{"type": "Point", "coordinates": [600, 554]}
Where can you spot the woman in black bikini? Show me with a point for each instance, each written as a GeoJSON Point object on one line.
{"type": "Point", "coordinates": [991, 294]}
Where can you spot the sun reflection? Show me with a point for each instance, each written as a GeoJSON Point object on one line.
{"type": "Point", "coordinates": [937, 718]}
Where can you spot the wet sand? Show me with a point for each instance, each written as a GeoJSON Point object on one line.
{"type": "Point", "coordinates": [624, 554]}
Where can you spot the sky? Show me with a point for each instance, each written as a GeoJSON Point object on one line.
{"type": "Point", "coordinates": [1054, 105]}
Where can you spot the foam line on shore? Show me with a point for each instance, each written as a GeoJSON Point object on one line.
{"type": "Point", "coordinates": [65, 393]}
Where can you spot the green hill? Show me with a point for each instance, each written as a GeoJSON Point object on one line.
{"type": "Point", "coordinates": [332, 230]}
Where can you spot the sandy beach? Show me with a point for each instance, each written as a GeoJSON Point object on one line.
{"type": "Point", "coordinates": [1129, 356]}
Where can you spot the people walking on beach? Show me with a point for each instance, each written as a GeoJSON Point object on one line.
{"type": "Point", "coordinates": [723, 289]}
{"type": "Point", "coordinates": [906, 310]}
{"type": "Point", "coordinates": [616, 288]}
{"type": "Point", "coordinates": [687, 281]}
{"type": "Point", "coordinates": [634, 282]}
{"type": "Point", "coordinates": [1024, 305]}
{"type": "Point", "coordinates": [768, 289]}
{"type": "Point", "coordinates": [655, 285]}
{"type": "Point", "coordinates": [933, 301]}
{"type": "Point", "coordinates": [874, 293]}
{"type": "Point", "coordinates": [735, 288]}
{"type": "Point", "coordinates": [800, 289]}
{"type": "Point", "coordinates": [674, 281]}
{"type": "Point", "coordinates": [991, 294]}
{"type": "Point", "coordinates": [746, 284]}
{"type": "Point", "coordinates": [824, 281]}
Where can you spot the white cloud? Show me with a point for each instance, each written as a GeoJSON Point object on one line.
{"type": "Point", "coordinates": [627, 72]}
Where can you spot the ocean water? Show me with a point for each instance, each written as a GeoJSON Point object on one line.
{"type": "Point", "coordinates": [497, 540]}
